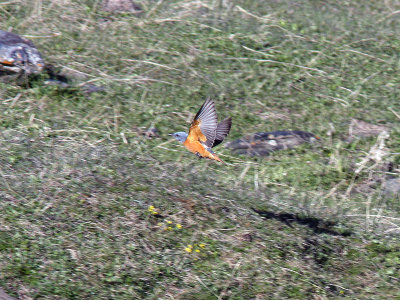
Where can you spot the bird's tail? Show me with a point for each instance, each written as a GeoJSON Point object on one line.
{"type": "Point", "coordinates": [215, 157]}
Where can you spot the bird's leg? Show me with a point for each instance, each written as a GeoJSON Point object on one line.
{"type": "Point", "coordinates": [198, 155]}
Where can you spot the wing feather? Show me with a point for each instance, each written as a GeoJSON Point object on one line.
{"type": "Point", "coordinates": [204, 125]}
{"type": "Point", "coordinates": [222, 131]}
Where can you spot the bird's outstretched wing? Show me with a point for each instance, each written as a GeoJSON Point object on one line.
{"type": "Point", "coordinates": [204, 125]}
{"type": "Point", "coordinates": [222, 131]}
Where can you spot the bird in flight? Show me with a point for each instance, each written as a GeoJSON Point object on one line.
{"type": "Point", "coordinates": [205, 132]}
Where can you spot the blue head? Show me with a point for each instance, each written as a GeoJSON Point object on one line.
{"type": "Point", "coordinates": [180, 136]}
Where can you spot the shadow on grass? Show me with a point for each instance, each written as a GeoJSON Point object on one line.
{"type": "Point", "coordinates": [317, 225]}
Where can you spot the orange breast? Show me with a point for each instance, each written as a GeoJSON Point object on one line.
{"type": "Point", "coordinates": [197, 147]}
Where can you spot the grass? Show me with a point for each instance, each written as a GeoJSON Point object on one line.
{"type": "Point", "coordinates": [78, 176]}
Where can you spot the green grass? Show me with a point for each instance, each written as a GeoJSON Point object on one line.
{"type": "Point", "coordinates": [77, 175]}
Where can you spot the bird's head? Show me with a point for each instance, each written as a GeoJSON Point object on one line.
{"type": "Point", "coordinates": [180, 136]}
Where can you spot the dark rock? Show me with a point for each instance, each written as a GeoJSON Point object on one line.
{"type": "Point", "coordinates": [263, 143]}
{"type": "Point", "coordinates": [18, 55]}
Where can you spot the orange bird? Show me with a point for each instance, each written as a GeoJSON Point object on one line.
{"type": "Point", "coordinates": [205, 132]}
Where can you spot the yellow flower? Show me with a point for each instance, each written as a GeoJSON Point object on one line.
{"type": "Point", "coordinates": [202, 245]}
{"type": "Point", "coordinates": [179, 226]}
{"type": "Point", "coordinates": [151, 208]}
{"type": "Point", "coordinates": [169, 228]}
{"type": "Point", "coordinates": [154, 212]}
{"type": "Point", "coordinates": [169, 222]}
{"type": "Point", "coordinates": [188, 249]}
{"type": "Point", "coordinates": [197, 250]}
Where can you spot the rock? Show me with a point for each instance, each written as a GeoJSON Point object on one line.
{"type": "Point", "coordinates": [121, 6]}
{"type": "Point", "coordinates": [360, 129]}
{"type": "Point", "coordinates": [18, 55]}
{"type": "Point", "coordinates": [152, 132]}
{"type": "Point", "coordinates": [263, 143]}
{"type": "Point", "coordinates": [392, 188]}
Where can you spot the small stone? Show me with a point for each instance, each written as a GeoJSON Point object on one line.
{"type": "Point", "coordinates": [360, 129]}
{"type": "Point", "coordinates": [392, 187]}
{"type": "Point", "coordinates": [152, 132]}
{"type": "Point", "coordinates": [121, 6]}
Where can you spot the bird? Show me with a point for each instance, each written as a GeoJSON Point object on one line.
{"type": "Point", "coordinates": [205, 132]}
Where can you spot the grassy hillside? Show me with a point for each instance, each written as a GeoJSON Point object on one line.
{"type": "Point", "coordinates": [91, 208]}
